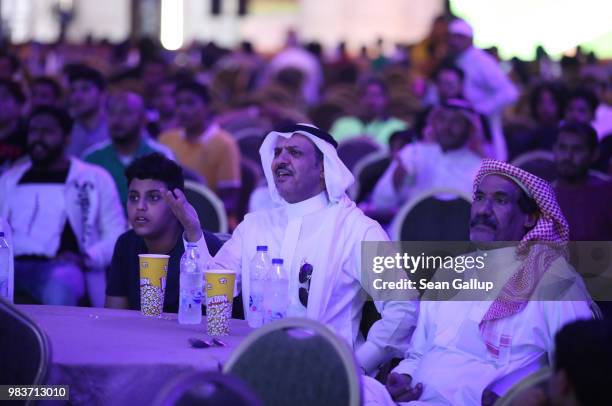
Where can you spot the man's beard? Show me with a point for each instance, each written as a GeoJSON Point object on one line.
{"type": "Point", "coordinates": [126, 139]}
{"type": "Point", "coordinates": [52, 154]}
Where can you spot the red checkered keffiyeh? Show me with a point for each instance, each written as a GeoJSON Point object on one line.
{"type": "Point", "coordinates": [551, 229]}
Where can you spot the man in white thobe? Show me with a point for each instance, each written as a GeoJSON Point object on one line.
{"type": "Point", "coordinates": [471, 352]}
{"type": "Point", "coordinates": [316, 224]}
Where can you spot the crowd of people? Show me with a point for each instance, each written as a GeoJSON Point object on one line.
{"type": "Point", "coordinates": [97, 140]}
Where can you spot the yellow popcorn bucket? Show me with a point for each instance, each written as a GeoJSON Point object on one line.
{"type": "Point", "coordinates": [219, 297]}
{"type": "Point", "coordinates": [153, 273]}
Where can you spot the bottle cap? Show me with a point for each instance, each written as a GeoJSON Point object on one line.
{"type": "Point", "coordinates": [277, 261]}
{"type": "Point", "coordinates": [262, 248]}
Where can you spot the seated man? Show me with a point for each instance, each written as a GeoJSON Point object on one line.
{"type": "Point", "coordinates": [317, 225]}
{"type": "Point", "coordinates": [65, 216]}
{"type": "Point", "coordinates": [445, 161]}
{"type": "Point", "coordinates": [155, 230]}
{"type": "Point", "coordinates": [470, 352]}
{"type": "Point", "coordinates": [128, 139]}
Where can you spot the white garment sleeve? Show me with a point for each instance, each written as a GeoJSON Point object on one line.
{"type": "Point", "coordinates": [385, 196]}
{"type": "Point", "coordinates": [420, 342]}
{"type": "Point", "coordinates": [111, 222]}
{"type": "Point", "coordinates": [389, 336]}
{"type": "Point", "coordinates": [502, 91]}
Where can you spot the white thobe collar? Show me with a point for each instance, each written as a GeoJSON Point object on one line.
{"type": "Point", "coordinates": [307, 206]}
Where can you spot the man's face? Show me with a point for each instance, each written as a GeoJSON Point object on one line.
{"type": "Point", "coordinates": [43, 95]}
{"type": "Point", "coordinates": [449, 85]}
{"type": "Point", "coordinates": [46, 140]}
{"type": "Point", "coordinates": [458, 43]}
{"type": "Point", "coordinates": [374, 99]}
{"type": "Point", "coordinates": [191, 111]}
{"type": "Point", "coordinates": [450, 128]}
{"type": "Point", "coordinates": [579, 110]}
{"type": "Point", "coordinates": [298, 174]}
{"type": "Point", "coordinates": [495, 214]}
{"type": "Point", "coordinates": [10, 109]}
{"type": "Point", "coordinates": [84, 98]}
{"type": "Point", "coordinates": [148, 213]}
{"type": "Point", "coordinates": [164, 100]}
{"type": "Point", "coordinates": [572, 155]}
{"type": "Point", "coordinates": [125, 118]}
{"type": "Point", "coordinates": [547, 108]}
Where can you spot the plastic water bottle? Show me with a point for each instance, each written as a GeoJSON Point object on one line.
{"type": "Point", "coordinates": [190, 287]}
{"type": "Point", "coordinates": [276, 292]}
{"type": "Point", "coordinates": [6, 269]}
{"type": "Point", "coordinates": [258, 273]}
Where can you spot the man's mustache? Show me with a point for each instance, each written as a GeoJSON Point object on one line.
{"type": "Point", "coordinates": [38, 144]}
{"type": "Point", "coordinates": [483, 220]}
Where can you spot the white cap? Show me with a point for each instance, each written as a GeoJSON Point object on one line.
{"type": "Point", "coordinates": [461, 27]}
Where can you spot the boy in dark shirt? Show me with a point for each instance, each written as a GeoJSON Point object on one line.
{"type": "Point", "coordinates": [155, 230]}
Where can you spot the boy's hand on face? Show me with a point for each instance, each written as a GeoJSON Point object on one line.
{"type": "Point", "coordinates": [185, 214]}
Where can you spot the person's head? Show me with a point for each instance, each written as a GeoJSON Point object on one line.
{"type": "Point", "coordinates": [547, 103]}
{"type": "Point", "coordinates": [575, 150]}
{"type": "Point", "coordinates": [297, 168]}
{"type": "Point", "coordinates": [149, 177]}
{"type": "Point", "coordinates": [153, 70]}
{"type": "Point", "coordinates": [46, 91]}
{"type": "Point", "coordinates": [501, 210]}
{"type": "Point", "coordinates": [374, 97]}
{"type": "Point", "coordinates": [460, 36]}
{"type": "Point", "coordinates": [49, 130]}
{"type": "Point", "coordinates": [86, 91]}
{"type": "Point", "coordinates": [449, 81]}
{"type": "Point", "coordinates": [452, 124]}
{"type": "Point", "coordinates": [9, 65]}
{"type": "Point", "coordinates": [192, 105]}
{"type": "Point", "coordinates": [163, 100]}
{"type": "Point", "coordinates": [126, 116]}
{"type": "Point", "coordinates": [11, 101]}
{"type": "Point", "coordinates": [582, 364]}
{"type": "Point", "coordinates": [398, 140]}
{"type": "Point", "coordinates": [581, 105]}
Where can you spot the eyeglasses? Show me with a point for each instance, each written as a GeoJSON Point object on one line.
{"type": "Point", "coordinates": [305, 276]}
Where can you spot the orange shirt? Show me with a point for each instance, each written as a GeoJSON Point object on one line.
{"type": "Point", "coordinates": [214, 155]}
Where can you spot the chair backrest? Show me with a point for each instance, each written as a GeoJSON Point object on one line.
{"type": "Point", "coordinates": [354, 149]}
{"type": "Point", "coordinates": [25, 352]}
{"type": "Point", "coordinates": [250, 175]}
{"type": "Point", "coordinates": [297, 362]}
{"type": "Point", "coordinates": [538, 379]}
{"type": "Point", "coordinates": [367, 173]}
{"type": "Point", "coordinates": [249, 141]}
{"type": "Point", "coordinates": [434, 215]}
{"type": "Point", "coordinates": [208, 206]}
{"type": "Point", "coordinates": [206, 389]}
{"type": "Point", "coordinates": [539, 163]}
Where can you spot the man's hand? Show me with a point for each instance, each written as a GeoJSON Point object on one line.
{"type": "Point", "coordinates": [185, 213]}
{"type": "Point", "coordinates": [400, 389]}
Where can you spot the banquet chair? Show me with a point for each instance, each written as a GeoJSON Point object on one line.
{"type": "Point", "coordinates": [538, 379]}
{"type": "Point", "coordinates": [539, 163]}
{"type": "Point", "coordinates": [354, 149]}
{"type": "Point", "coordinates": [208, 206]}
{"type": "Point", "coordinates": [367, 173]}
{"type": "Point", "coordinates": [206, 389]}
{"type": "Point", "coordinates": [250, 174]}
{"type": "Point", "coordinates": [249, 140]}
{"type": "Point", "coordinates": [297, 362]}
{"type": "Point", "coordinates": [25, 351]}
{"type": "Point", "coordinates": [434, 215]}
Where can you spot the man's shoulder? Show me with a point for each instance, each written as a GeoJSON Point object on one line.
{"type": "Point", "coordinates": [98, 152]}
{"type": "Point", "coordinates": [172, 135]}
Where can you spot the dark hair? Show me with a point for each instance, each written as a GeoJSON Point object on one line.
{"type": "Point", "coordinates": [14, 89]}
{"type": "Point", "coordinates": [586, 131]}
{"type": "Point", "coordinates": [86, 73]}
{"type": "Point", "coordinates": [157, 167]}
{"type": "Point", "coordinates": [583, 351]}
{"type": "Point", "coordinates": [15, 63]}
{"type": "Point", "coordinates": [527, 204]}
{"type": "Point", "coordinates": [585, 94]}
{"type": "Point", "coordinates": [49, 81]}
{"type": "Point", "coordinates": [558, 92]}
{"type": "Point", "coordinates": [196, 88]}
{"type": "Point", "coordinates": [403, 136]}
{"type": "Point", "coordinates": [449, 66]}
{"type": "Point", "coordinates": [59, 114]}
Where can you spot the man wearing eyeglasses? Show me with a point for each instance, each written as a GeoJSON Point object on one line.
{"type": "Point", "coordinates": [318, 231]}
